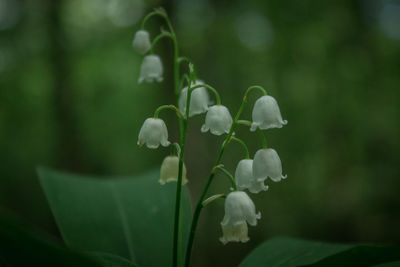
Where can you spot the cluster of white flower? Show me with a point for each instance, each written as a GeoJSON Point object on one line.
{"type": "Point", "coordinates": [151, 68]}
{"type": "Point", "coordinates": [250, 174]}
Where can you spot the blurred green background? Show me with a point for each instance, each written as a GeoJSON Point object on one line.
{"type": "Point", "coordinates": [69, 99]}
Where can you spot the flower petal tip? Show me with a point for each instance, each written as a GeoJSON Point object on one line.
{"type": "Point", "coordinates": [253, 127]}
{"type": "Point", "coordinates": [166, 143]}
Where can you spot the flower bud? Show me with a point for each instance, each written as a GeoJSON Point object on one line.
{"type": "Point", "coordinates": [153, 133]}
{"type": "Point", "coordinates": [267, 164]}
{"type": "Point", "coordinates": [170, 169]}
{"type": "Point", "coordinates": [218, 120]}
{"type": "Point", "coordinates": [244, 177]}
{"type": "Point", "coordinates": [239, 210]}
{"type": "Point", "coordinates": [151, 69]}
{"type": "Point", "coordinates": [266, 114]}
{"type": "Point", "coordinates": [199, 100]}
{"type": "Point", "coordinates": [141, 42]}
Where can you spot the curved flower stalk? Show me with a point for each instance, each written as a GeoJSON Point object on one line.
{"type": "Point", "coordinates": [244, 177]}
{"type": "Point", "coordinates": [151, 69]}
{"type": "Point", "coordinates": [153, 133]}
{"type": "Point", "coordinates": [239, 210]}
{"type": "Point", "coordinates": [266, 114]}
{"type": "Point", "coordinates": [199, 102]}
{"type": "Point", "coordinates": [218, 120]}
{"type": "Point", "coordinates": [169, 170]}
{"type": "Point", "coordinates": [267, 164]}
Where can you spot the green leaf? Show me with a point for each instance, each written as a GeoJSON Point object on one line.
{"type": "Point", "coordinates": [131, 217]}
{"type": "Point", "coordinates": [22, 247]}
{"type": "Point", "coordinates": [362, 255]}
{"type": "Point", "coordinates": [285, 252]}
{"type": "Point", "coordinates": [389, 264]}
{"type": "Point", "coordinates": [111, 260]}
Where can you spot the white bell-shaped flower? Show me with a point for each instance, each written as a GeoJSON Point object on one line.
{"type": "Point", "coordinates": [153, 133]}
{"type": "Point", "coordinates": [234, 233]}
{"type": "Point", "coordinates": [218, 120]}
{"type": "Point", "coordinates": [266, 114]}
{"type": "Point", "coordinates": [151, 69]}
{"type": "Point", "coordinates": [244, 177]}
{"type": "Point", "coordinates": [169, 170]}
{"type": "Point", "coordinates": [141, 42]}
{"type": "Point", "coordinates": [198, 102]}
{"type": "Point", "coordinates": [267, 164]}
{"type": "Point", "coordinates": [239, 210]}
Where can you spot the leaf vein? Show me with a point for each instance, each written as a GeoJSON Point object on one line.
{"type": "Point", "coordinates": [124, 222]}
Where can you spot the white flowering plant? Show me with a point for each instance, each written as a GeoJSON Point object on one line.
{"type": "Point", "coordinates": [147, 220]}
{"type": "Point", "coordinates": [193, 98]}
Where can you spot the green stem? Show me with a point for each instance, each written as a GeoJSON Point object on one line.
{"type": "Point", "coordinates": [184, 78]}
{"type": "Point", "coordinates": [172, 151]}
{"type": "Point", "coordinates": [175, 148]}
{"type": "Point", "coordinates": [254, 87]}
{"type": "Point", "coordinates": [178, 197]}
{"type": "Point", "coordinates": [161, 12]}
{"type": "Point", "coordinates": [184, 59]}
{"type": "Point", "coordinates": [260, 132]}
{"type": "Point", "coordinates": [228, 174]}
{"type": "Point", "coordinates": [158, 12]}
{"type": "Point", "coordinates": [243, 145]}
{"type": "Point", "coordinates": [263, 139]}
{"type": "Point", "coordinates": [158, 38]}
{"type": "Point", "coordinates": [172, 107]}
{"type": "Point", "coordinates": [183, 124]}
{"type": "Point", "coordinates": [218, 98]}
{"type": "Point", "coordinates": [176, 56]}
{"type": "Point", "coordinates": [176, 237]}
{"type": "Point", "coordinates": [196, 215]}
{"type": "Point", "coordinates": [244, 122]}
{"type": "Point", "coordinates": [199, 205]}
{"type": "Point", "coordinates": [212, 198]}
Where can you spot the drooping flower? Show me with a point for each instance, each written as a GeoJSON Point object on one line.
{"type": "Point", "coordinates": [141, 42]}
{"type": "Point", "coordinates": [267, 164]}
{"type": "Point", "coordinates": [199, 100]}
{"type": "Point", "coordinates": [244, 177]}
{"type": "Point", "coordinates": [151, 69]}
{"type": "Point", "coordinates": [234, 233]}
{"type": "Point", "coordinates": [239, 210]}
{"type": "Point", "coordinates": [218, 120]}
{"type": "Point", "coordinates": [153, 133]}
{"type": "Point", "coordinates": [266, 114]}
{"type": "Point", "coordinates": [169, 170]}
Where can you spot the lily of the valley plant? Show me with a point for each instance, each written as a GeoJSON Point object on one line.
{"type": "Point", "coordinates": [193, 98]}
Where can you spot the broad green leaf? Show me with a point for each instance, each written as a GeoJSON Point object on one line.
{"type": "Point", "coordinates": [362, 255]}
{"type": "Point", "coordinates": [111, 260]}
{"type": "Point", "coordinates": [389, 264]}
{"type": "Point", "coordinates": [131, 217]}
{"type": "Point", "coordinates": [23, 247]}
{"type": "Point", "coordinates": [287, 252]}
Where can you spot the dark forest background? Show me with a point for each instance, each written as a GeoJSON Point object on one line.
{"type": "Point", "coordinates": [69, 99]}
